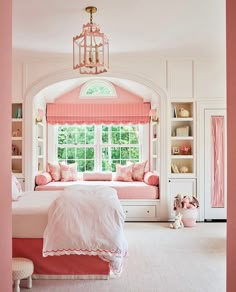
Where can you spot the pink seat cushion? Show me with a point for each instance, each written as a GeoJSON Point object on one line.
{"type": "Point", "coordinates": [43, 178]}
{"type": "Point", "coordinates": [151, 178]}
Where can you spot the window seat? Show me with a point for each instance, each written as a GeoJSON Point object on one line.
{"type": "Point", "coordinates": [140, 201]}
{"type": "Point", "coordinates": [125, 190]}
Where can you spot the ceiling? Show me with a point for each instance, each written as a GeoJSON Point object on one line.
{"type": "Point", "coordinates": [173, 28]}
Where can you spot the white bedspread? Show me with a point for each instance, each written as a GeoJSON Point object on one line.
{"type": "Point", "coordinates": [89, 221]}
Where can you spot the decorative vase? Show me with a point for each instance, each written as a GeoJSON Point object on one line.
{"type": "Point", "coordinates": [189, 216]}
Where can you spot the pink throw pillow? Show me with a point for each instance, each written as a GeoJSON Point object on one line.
{"type": "Point", "coordinates": [43, 178]}
{"type": "Point", "coordinates": [151, 178]}
{"type": "Point", "coordinates": [138, 170]}
{"type": "Point", "coordinates": [68, 172]}
{"type": "Point", "coordinates": [124, 172]}
{"type": "Point", "coordinates": [97, 176]}
{"type": "Point", "coordinates": [55, 171]}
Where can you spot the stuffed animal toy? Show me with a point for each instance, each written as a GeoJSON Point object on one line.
{"type": "Point", "coordinates": [183, 113]}
{"type": "Point", "coordinates": [177, 202]}
{"type": "Point", "coordinates": [195, 202]}
{"type": "Point", "coordinates": [186, 203]}
{"type": "Point", "coordinates": [183, 169]}
{"type": "Point", "coordinates": [178, 222]}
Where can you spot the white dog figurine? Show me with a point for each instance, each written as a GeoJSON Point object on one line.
{"type": "Point", "coordinates": [178, 222]}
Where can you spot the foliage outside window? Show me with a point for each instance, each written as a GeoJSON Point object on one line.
{"type": "Point", "coordinates": [98, 147]}
{"type": "Point", "coordinates": [98, 88]}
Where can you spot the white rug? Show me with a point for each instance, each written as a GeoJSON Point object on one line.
{"type": "Point", "coordinates": [161, 260]}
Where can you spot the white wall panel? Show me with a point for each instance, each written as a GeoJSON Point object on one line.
{"type": "Point", "coordinates": [209, 79]}
{"type": "Point", "coordinates": [180, 78]}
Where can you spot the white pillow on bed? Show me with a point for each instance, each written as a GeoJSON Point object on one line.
{"type": "Point", "coordinates": [16, 190]}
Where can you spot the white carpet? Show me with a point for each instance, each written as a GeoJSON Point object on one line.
{"type": "Point", "coordinates": [161, 260]}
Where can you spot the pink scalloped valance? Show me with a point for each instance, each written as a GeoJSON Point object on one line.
{"type": "Point", "coordinates": [137, 113]}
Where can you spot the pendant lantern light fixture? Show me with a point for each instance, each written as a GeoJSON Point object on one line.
{"type": "Point", "coordinates": [91, 48]}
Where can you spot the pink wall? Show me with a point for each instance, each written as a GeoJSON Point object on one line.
{"type": "Point", "coordinates": [123, 96]}
{"type": "Point", "coordinates": [231, 122]}
{"type": "Point", "coordinates": [5, 144]}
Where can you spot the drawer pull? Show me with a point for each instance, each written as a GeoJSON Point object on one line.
{"type": "Point", "coordinates": [147, 211]}
{"type": "Point", "coordinates": [126, 211]}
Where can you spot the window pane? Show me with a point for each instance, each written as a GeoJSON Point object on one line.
{"type": "Point", "coordinates": [81, 165]}
{"type": "Point", "coordinates": [134, 153]}
{"type": "Point", "coordinates": [89, 153]}
{"type": "Point", "coordinates": [81, 136]}
{"type": "Point", "coordinates": [115, 128]}
{"type": "Point", "coordinates": [62, 134]}
{"type": "Point", "coordinates": [113, 165]}
{"type": "Point", "coordinates": [70, 161]}
{"type": "Point", "coordinates": [105, 128]}
{"type": "Point", "coordinates": [71, 153]}
{"type": "Point", "coordinates": [105, 165]}
{"type": "Point", "coordinates": [90, 138]}
{"type": "Point", "coordinates": [115, 152]}
{"type": "Point", "coordinates": [115, 137]}
{"type": "Point", "coordinates": [105, 153]}
{"type": "Point", "coordinates": [104, 137]}
{"type": "Point", "coordinates": [89, 165]}
{"type": "Point", "coordinates": [133, 138]}
{"type": "Point", "coordinates": [90, 135]}
{"type": "Point", "coordinates": [71, 136]}
{"type": "Point", "coordinates": [80, 153]}
{"type": "Point", "coordinates": [124, 153]}
{"type": "Point", "coordinates": [61, 153]}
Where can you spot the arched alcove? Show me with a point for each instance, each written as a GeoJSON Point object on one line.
{"type": "Point", "coordinates": [157, 96]}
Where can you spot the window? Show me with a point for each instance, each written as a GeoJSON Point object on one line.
{"type": "Point", "coordinates": [97, 88]}
{"type": "Point", "coordinates": [119, 144]}
{"type": "Point", "coordinates": [98, 147]}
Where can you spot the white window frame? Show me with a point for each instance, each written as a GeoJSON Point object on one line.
{"type": "Point", "coordinates": [143, 149]}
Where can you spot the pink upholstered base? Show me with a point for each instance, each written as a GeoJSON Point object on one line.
{"type": "Point", "coordinates": [125, 190]}
{"type": "Point", "coordinates": [31, 248]}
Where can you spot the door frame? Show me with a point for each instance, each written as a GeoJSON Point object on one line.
{"type": "Point", "coordinates": [202, 106]}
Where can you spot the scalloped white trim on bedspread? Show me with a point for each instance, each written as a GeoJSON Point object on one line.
{"type": "Point", "coordinates": [87, 221]}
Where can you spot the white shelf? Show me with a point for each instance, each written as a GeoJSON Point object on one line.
{"type": "Point", "coordinates": [16, 157]}
{"type": "Point", "coordinates": [17, 120]}
{"type": "Point", "coordinates": [40, 150]}
{"type": "Point", "coordinates": [181, 119]}
{"type": "Point", "coordinates": [181, 156]}
{"type": "Point", "coordinates": [154, 134]}
{"type": "Point", "coordinates": [181, 138]}
{"type": "Point", "coordinates": [16, 138]}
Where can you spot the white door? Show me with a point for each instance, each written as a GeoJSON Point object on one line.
{"type": "Point", "coordinates": [215, 164]}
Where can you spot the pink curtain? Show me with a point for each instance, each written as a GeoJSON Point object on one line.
{"type": "Point", "coordinates": [98, 113]}
{"type": "Point", "coordinates": [217, 162]}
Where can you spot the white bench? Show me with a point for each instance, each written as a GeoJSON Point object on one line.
{"type": "Point", "coordinates": [22, 268]}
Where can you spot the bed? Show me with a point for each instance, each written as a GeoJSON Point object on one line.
{"type": "Point", "coordinates": [74, 233]}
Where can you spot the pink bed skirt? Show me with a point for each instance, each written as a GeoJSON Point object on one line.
{"type": "Point", "coordinates": [31, 248]}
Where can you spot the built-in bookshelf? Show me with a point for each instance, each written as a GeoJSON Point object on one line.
{"type": "Point", "coordinates": [182, 162]}
{"type": "Point", "coordinates": [17, 138]}
{"type": "Point", "coordinates": [155, 159]}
